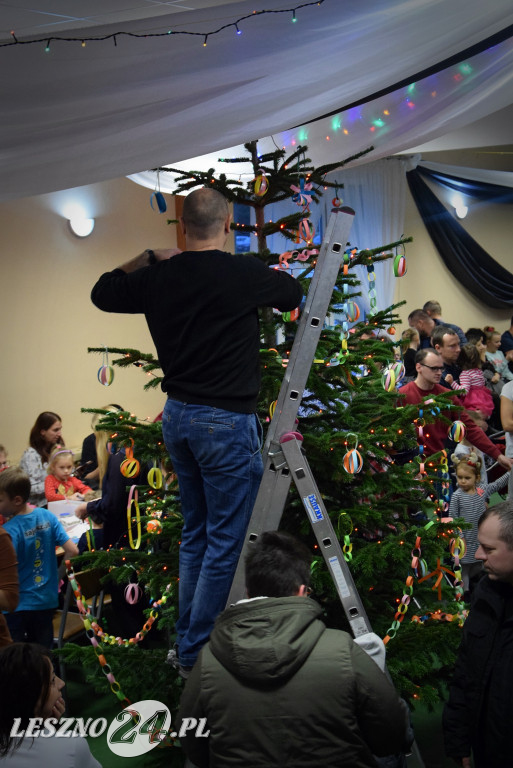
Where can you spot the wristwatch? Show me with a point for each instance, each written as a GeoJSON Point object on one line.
{"type": "Point", "coordinates": [152, 259]}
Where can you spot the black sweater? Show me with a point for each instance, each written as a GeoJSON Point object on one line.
{"type": "Point", "coordinates": [201, 309]}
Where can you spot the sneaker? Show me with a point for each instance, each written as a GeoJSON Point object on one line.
{"type": "Point", "coordinates": [172, 659]}
{"type": "Point", "coordinates": [172, 656]}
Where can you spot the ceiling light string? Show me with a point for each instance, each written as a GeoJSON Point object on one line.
{"type": "Point", "coordinates": [205, 35]}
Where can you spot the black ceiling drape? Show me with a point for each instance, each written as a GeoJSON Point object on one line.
{"type": "Point", "coordinates": [481, 190]}
{"type": "Point", "coordinates": [470, 264]}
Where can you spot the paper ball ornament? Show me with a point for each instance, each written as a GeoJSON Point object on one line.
{"type": "Point", "coordinates": [155, 478]}
{"type": "Point", "coordinates": [399, 265]}
{"type": "Point", "coordinates": [353, 461]}
{"type": "Point", "coordinates": [160, 202]}
{"type": "Point", "coordinates": [352, 311]}
{"type": "Point", "coordinates": [106, 375]}
{"type": "Point", "coordinates": [457, 431]}
{"type": "Point", "coordinates": [399, 370]}
{"type": "Point", "coordinates": [389, 379]}
{"type": "Point", "coordinates": [133, 593]}
{"type": "Point", "coordinates": [129, 467]}
{"type": "Point", "coordinates": [154, 526]}
{"type": "Point", "coordinates": [261, 184]}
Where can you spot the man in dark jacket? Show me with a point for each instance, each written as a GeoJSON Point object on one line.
{"type": "Point", "coordinates": [278, 688]}
{"type": "Point", "coordinates": [479, 714]}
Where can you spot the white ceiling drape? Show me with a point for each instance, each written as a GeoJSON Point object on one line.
{"type": "Point", "coordinates": [77, 115]}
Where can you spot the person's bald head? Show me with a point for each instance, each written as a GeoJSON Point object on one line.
{"type": "Point", "coordinates": [205, 212]}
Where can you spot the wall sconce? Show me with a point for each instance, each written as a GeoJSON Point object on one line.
{"type": "Point", "coordinates": [81, 227]}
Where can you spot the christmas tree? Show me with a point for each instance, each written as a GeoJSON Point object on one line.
{"type": "Point", "coordinates": [384, 497]}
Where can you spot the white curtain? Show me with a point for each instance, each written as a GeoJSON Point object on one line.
{"type": "Point", "coordinates": [377, 193]}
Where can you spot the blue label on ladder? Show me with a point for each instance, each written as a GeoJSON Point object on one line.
{"type": "Point", "coordinates": [312, 507]}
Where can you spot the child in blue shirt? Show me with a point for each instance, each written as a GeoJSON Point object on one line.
{"type": "Point", "coordinates": [35, 534]}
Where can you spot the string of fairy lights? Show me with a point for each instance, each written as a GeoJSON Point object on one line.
{"type": "Point", "coordinates": [113, 36]}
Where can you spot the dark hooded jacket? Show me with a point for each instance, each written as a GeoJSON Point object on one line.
{"type": "Point", "coordinates": [279, 689]}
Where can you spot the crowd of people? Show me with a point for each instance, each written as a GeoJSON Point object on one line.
{"type": "Point", "coordinates": [478, 366]}
{"type": "Point", "coordinates": [275, 685]}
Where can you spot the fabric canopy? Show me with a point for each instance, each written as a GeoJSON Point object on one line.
{"type": "Point", "coordinates": [74, 115]}
{"type": "Point", "coordinates": [472, 266]}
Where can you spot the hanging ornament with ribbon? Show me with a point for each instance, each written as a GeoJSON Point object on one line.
{"type": "Point", "coordinates": [133, 498]}
{"type": "Point", "coordinates": [336, 201]}
{"type": "Point", "coordinates": [457, 431]}
{"type": "Point", "coordinates": [392, 375]}
{"type": "Point", "coordinates": [352, 460]}
{"type": "Point", "coordinates": [130, 467]}
{"type": "Point", "coordinates": [155, 477]}
{"type": "Point", "coordinates": [133, 593]}
{"type": "Point", "coordinates": [158, 198]}
{"type": "Point", "coordinates": [106, 371]}
{"type": "Point", "coordinates": [261, 184]}
{"type": "Point", "coordinates": [305, 232]}
{"type": "Point", "coordinates": [302, 194]}
{"type": "Point", "coordinates": [400, 262]}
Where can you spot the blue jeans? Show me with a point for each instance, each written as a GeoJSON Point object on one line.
{"type": "Point", "coordinates": [216, 455]}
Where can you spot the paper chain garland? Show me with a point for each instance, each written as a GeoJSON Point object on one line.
{"type": "Point", "coordinates": [371, 277]}
{"type": "Point", "coordinates": [296, 255]}
{"type": "Point", "coordinates": [419, 568]}
{"type": "Point", "coordinates": [347, 549]}
{"type": "Point", "coordinates": [93, 631]}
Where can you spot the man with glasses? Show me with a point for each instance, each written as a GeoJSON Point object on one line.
{"type": "Point", "coordinates": [429, 366]}
{"type": "Point", "coordinates": [277, 688]}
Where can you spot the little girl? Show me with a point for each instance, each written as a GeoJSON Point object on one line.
{"type": "Point", "coordinates": [469, 502]}
{"type": "Point", "coordinates": [478, 397]}
{"type": "Point", "coordinates": [496, 357]}
{"type": "Point", "coordinates": [60, 484]}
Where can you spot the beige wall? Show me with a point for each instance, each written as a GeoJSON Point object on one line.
{"type": "Point", "coordinates": [428, 278]}
{"type": "Point", "coordinates": [48, 318]}
{"type": "Point", "coordinates": [49, 321]}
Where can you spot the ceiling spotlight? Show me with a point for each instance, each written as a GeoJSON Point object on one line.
{"type": "Point", "coordinates": [81, 227]}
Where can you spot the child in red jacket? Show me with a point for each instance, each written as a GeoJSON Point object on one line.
{"type": "Point", "coordinates": [60, 483]}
